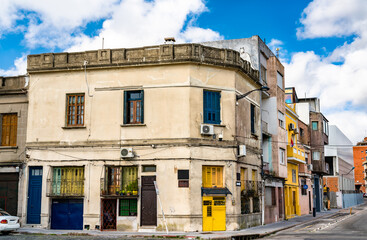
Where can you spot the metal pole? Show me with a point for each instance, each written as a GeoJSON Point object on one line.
{"type": "Point", "coordinates": [342, 190]}
{"type": "Point", "coordinates": [160, 204]}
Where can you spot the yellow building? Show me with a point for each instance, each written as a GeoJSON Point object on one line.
{"type": "Point", "coordinates": [295, 156]}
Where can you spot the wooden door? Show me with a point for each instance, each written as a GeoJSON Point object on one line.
{"type": "Point", "coordinates": [148, 202]}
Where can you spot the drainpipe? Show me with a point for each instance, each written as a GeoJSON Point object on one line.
{"type": "Point", "coordinates": [261, 142]}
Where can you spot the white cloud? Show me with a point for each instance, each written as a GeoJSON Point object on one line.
{"type": "Point", "coordinates": [139, 23]}
{"type": "Point", "coordinates": [328, 18]}
{"type": "Point", "coordinates": [354, 128]}
{"type": "Point", "coordinates": [20, 66]}
{"type": "Point", "coordinates": [126, 23]}
{"type": "Point", "coordinates": [341, 86]}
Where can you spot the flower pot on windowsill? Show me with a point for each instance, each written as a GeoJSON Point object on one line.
{"type": "Point", "coordinates": [135, 193]}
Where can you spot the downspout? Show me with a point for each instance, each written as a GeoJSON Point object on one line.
{"type": "Point", "coordinates": [261, 141]}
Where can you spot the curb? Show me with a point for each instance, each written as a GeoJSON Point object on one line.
{"type": "Point", "coordinates": [230, 236]}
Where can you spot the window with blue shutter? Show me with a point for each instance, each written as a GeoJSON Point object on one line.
{"type": "Point", "coordinates": [133, 107]}
{"type": "Point", "coordinates": [211, 107]}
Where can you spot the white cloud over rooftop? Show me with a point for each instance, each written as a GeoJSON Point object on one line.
{"type": "Point", "coordinates": [338, 79]}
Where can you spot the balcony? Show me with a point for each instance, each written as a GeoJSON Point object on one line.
{"type": "Point", "coordinates": [251, 188]}
{"type": "Point", "coordinates": [65, 188]}
{"type": "Point", "coordinates": [295, 154]}
{"type": "Point", "coordinates": [120, 181]}
{"type": "Point", "coordinates": [65, 182]}
{"type": "Point", "coordinates": [109, 189]}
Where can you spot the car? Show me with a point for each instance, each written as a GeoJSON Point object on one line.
{"type": "Point", "coordinates": [8, 223]}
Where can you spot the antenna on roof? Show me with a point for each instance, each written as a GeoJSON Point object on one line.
{"type": "Point", "coordinates": [102, 43]}
{"type": "Point", "coordinates": [277, 50]}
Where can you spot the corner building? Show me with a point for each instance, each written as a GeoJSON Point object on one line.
{"type": "Point", "coordinates": [109, 127]}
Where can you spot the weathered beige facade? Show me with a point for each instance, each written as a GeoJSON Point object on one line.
{"type": "Point", "coordinates": [172, 79]}
{"type": "Point", "coordinates": [13, 124]}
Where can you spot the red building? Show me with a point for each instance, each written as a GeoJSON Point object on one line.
{"type": "Point", "coordinates": [359, 155]}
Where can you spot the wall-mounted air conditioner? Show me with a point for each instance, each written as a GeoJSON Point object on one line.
{"type": "Point", "coordinates": [126, 152]}
{"type": "Point", "coordinates": [206, 129]}
{"type": "Point", "coordinates": [242, 150]}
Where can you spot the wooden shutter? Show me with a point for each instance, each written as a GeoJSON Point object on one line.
{"type": "Point", "coordinates": [125, 108]}
{"type": "Point", "coordinates": [212, 176]}
{"type": "Point", "coordinates": [252, 118]}
{"type": "Point", "coordinates": [9, 129]}
{"type": "Point", "coordinates": [142, 107]}
{"type": "Point", "coordinates": [211, 107]}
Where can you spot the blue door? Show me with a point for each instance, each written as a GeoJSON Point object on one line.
{"type": "Point", "coordinates": [67, 214]}
{"type": "Point", "coordinates": [34, 195]}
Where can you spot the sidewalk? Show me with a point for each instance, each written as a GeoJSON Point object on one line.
{"type": "Point", "coordinates": [253, 232]}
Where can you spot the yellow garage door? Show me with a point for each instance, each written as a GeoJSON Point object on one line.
{"type": "Point", "coordinates": [214, 213]}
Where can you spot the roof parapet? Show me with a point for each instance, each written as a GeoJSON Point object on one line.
{"type": "Point", "coordinates": [150, 55]}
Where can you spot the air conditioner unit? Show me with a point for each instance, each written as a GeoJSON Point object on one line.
{"type": "Point", "coordinates": [206, 129]}
{"type": "Point", "coordinates": [126, 153]}
{"type": "Point", "coordinates": [309, 167]}
{"type": "Point", "coordinates": [295, 131]}
{"type": "Point", "coordinates": [291, 127]}
{"type": "Point", "coordinates": [241, 150]}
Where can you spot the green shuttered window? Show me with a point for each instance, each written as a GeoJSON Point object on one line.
{"type": "Point", "coordinates": [128, 207]}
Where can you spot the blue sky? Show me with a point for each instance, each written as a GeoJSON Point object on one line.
{"type": "Point", "coordinates": [323, 43]}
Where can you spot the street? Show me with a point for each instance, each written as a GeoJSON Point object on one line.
{"type": "Point", "coordinates": [338, 226]}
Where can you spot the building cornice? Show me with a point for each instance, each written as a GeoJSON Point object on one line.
{"type": "Point", "coordinates": [137, 57]}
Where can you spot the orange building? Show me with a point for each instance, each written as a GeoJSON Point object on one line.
{"type": "Point", "coordinates": [359, 155]}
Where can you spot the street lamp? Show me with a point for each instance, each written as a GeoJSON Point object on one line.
{"type": "Point", "coordinates": [263, 88]}
{"type": "Point", "coordinates": [238, 97]}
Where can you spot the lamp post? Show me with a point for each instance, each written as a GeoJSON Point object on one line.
{"type": "Point", "coordinates": [238, 97]}
{"type": "Point", "coordinates": [343, 183]}
{"type": "Point", "coordinates": [263, 88]}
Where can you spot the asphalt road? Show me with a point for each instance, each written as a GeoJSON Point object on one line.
{"type": "Point", "coordinates": [340, 226]}
{"type": "Point", "coordinates": [17, 236]}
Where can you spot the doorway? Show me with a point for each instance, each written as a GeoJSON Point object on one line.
{"type": "Point", "coordinates": [148, 201]}
{"type": "Point", "coordinates": [108, 214]}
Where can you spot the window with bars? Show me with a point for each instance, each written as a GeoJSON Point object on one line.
{"type": "Point", "coordinates": [9, 123]}
{"type": "Point", "coordinates": [211, 107]}
{"type": "Point", "coordinates": [75, 110]}
{"type": "Point", "coordinates": [128, 207]}
{"type": "Point", "coordinates": [212, 176]}
{"type": "Point", "coordinates": [133, 107]}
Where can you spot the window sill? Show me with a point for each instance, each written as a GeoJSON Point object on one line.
{"type": "Point", "coordinates": [76, 127]}
{"type": "Point", "coordinates": [133, 125]}
{"type": "Point", "coordinates": [215, 124]}
{"type": "Point", "coordinates": [8, 147]}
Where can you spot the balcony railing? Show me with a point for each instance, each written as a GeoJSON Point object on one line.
{"type": "Point", "coordinates": [65, 188]}
{"type": "Point", "coordinates": [295, 154]}
{"type": "Point", "coordinates": [251, 188]}
{"type": "Point", "coordinates": [119, 190]}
